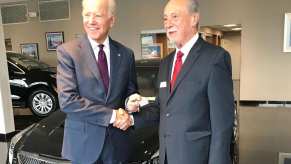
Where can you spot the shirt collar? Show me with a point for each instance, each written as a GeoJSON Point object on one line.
{"type": "Point", "coordinates": [187, 47]}
{"type": "Point", "coordinates": [94, 44]}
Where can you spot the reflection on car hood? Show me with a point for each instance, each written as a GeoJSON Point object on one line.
{"type": "Point", "coordinates": [46, 137]}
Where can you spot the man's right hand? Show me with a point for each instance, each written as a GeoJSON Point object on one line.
{"type": "Point", "coordinates": [133, 102]}
{"type": "Point", "coordinates": [122, 120]}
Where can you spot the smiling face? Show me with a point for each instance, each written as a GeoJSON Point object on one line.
{"type": "Point", "coordinates": [97, 19]}
{"type": "Point", "coordinates": [180, 24]}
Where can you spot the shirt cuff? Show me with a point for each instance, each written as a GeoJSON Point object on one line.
{"type": "Point", "coordinates": [132, 120]}
{"type": "Point", "coordinates": [113, 117]}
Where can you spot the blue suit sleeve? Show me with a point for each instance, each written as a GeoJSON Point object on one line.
{"type": "Point", "coordinates": [69, 98]}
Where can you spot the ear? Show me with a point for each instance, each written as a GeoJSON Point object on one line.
{"type": "Point", "coordinates": [112, 21]}
{"type": "Point", "coordinates": [195, 19]}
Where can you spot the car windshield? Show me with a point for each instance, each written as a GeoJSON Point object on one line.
{"type": "Point", "coordinates": [146, 78]}
{"type": "Point", "coordinates": [26, 61]}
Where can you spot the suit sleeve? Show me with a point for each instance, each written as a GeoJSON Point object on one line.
{"type": "Point", "coordinates": [69, 98]}
{"type": "Point", "coordinates": [132, 81]}
{"type": "Point", "coordinates": [148, 116]}
{"type": "Point", "coordinates": [220, 95]}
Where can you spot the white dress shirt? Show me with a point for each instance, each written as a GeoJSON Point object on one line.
{"type": "Point", "coordinates": [106, 48]}
{"type": "Point", "coordinates": [185, 50]}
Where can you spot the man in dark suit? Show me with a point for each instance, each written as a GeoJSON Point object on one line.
{"type": "Point", "coordinates": [195, 104]}
{"type": "Point", "coordinates": [95, 76]}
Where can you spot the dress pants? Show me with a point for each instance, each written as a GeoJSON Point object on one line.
{"type": "Point", "coordinates": [166, 159]}
{"type": "Point", "coordinates": [107, 154]}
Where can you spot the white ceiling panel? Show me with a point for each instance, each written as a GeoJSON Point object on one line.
{"type": "Point", "coordinates": [10, 1]}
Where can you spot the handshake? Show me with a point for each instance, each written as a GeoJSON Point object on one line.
{"type": "Point", "coordinates": [123, 119]}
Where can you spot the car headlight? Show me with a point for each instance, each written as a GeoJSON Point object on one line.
{"type": "Point", "coordinates": [14, 141]}
{"type": "Point", "coordinates": [19, 82]}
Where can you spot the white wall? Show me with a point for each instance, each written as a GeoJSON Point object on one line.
{"type": "Point", "coordinates": [34, 31]}
{"type": "Point", "coordinates": [264, 67]}
{"type": "Point", "coordinates": [231, 41]}
{"type": "Point", "coordinates": [265, 70]}
{"type": "Point", "coordinates": [6, 112]}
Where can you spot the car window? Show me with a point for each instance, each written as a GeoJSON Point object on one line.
{"type": "Point", "coordinates": [13, 68]}
{"type": "Point", "coordinates": [146, 78]}
{"type": "Point", "coordinates": [25, 61]}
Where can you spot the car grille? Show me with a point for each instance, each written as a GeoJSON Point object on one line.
{"type": "Point", "coordinates": [152, 161]}
{"type": "Point", "coordinates": [31, 158]}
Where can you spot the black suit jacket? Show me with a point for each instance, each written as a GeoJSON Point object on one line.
{"type": "Point", "coordinates": [196, 119]}
{"type": "Point", "coordinates": [82, 97]}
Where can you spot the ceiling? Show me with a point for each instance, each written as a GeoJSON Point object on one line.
{"type": "Point", "coordinates": [9, 1]}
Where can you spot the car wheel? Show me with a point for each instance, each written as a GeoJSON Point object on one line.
{"type": "Point", "coordinates": [42, 102]}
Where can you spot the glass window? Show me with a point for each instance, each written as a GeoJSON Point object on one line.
{"type": "Point", "coordinates": [146, 78]}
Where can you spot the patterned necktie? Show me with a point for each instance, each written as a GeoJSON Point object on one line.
{"type": "Point", "coordinates": [177, 68]}
{"type": "Point", "coordinates": [103, 68]}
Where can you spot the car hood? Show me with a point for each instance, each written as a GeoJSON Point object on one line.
{"type": "Point", "coordinates": [45, 139]}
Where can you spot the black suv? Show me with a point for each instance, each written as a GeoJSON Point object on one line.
{"type": "Point", "coordinates": [32, 84]}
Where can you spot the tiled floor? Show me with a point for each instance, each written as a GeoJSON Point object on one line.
{"type": "Point", "coordinates": [3, 152]}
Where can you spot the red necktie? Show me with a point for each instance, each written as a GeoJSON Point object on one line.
{"type": "Point", "coordinates": [103, 68]}
{"type": "Point", "coordinates": [177, 68]}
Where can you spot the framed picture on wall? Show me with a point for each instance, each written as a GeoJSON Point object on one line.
{"type": "Point", "coordinates": [284, 158]}
{"type": "Point", "coordinates": [287, 33]}
{"type": "Point", "coordinates": [152, 51]}
{"type": "Point", "coordinates": [8, 44]}
{"type": "Point", "coordinates": [30, 49]}
{"type": "Point", "coordinates": [53, 40]}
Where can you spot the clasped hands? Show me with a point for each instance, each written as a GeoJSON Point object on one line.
{"type": "Point", "coordinates": [123, 119]}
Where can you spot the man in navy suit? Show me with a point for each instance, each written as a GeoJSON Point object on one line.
{"type": "Point", "coordinates": [95, 76]}
{"type": "Point", "coordinates": [195, 104]}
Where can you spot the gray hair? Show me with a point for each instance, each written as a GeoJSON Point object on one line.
{"type": "Point", "coordinates": [111, 6]}
{"type": "Point", "coordinates": [193, 6]}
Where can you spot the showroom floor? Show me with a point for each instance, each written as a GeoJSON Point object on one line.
{"type": "Point", "coordinates": [22, 119]}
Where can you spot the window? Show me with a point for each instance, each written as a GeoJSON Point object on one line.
{"type": "Point", "coordinates": [146, 79]}
{"type": "Point", "coordinates": [50, 10]}
{"type": "Point", "coordinates": [12, 14]}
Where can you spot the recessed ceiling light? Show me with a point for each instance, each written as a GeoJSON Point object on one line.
{"type": "Point", "coordinates": [236, 29]}
{"type": "Point", "coordinates": [230, 25]}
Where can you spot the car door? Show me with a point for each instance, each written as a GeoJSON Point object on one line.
{"type": "Point", "coordinates": [18, 86]}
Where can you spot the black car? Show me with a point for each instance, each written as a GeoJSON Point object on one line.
{"type": "Point", "coordinates": [32, 84]}
{"type": "Point", "coordinates": [42, 142]}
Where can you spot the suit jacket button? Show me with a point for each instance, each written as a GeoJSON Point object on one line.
{"type": "Point", "coordinates": [168, 115]}
{"type": "Point", "coordinates": [166, 135]}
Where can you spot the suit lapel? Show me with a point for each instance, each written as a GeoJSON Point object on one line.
{"type": "Point", "coordinates": [188, 64]}
{"type": "Point", "coordinates": [115, 58]}
{"type": "Point", "coordinates": [168, 67]}
{"type": "Point", "coordinates": [89, 57]}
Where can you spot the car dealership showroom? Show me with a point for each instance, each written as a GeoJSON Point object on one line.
{"type": "Point", "coordinates": [256, 33]}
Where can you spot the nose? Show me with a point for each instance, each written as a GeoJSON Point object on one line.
{"type": "Point", "coordinates": [167, 23]}
{"type": "Point", "coordinates": [91, 19]}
